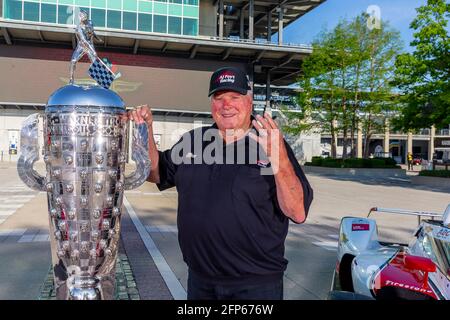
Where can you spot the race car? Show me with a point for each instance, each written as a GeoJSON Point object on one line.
{"type": "Point", "coordinates": [369, 269]}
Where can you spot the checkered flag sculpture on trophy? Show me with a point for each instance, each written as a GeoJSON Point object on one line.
{"type": "Point", "coordinates": [101, 73]}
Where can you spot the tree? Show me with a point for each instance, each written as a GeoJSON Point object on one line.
{"type": "Point", "coordinates": [423, 75]}
{"type": "Point", "coordinates": [346, 80]}
{"type": "Point", "coordinates": [382, 47]}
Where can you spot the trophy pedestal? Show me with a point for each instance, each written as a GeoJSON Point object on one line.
{"type": "Point", "coordinates": [125, 285]}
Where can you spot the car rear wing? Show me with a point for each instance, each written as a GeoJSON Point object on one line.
{"type": "Point", "coordinates": [419, 214]}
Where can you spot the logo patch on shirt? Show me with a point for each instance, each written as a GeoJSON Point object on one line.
{"type": "Point", "coordinates": [263, 163]}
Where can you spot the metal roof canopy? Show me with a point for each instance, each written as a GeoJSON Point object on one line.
{"type": "Point", "coordinates": [292, 10]}
{"type": "Point", "coordinates": [284, 62]}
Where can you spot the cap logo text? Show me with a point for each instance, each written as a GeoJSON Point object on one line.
{"type": "Point", "coordinates": [226, 77]}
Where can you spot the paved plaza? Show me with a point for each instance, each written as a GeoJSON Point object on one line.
{"type": "Point", "coordinates": [149, 233]}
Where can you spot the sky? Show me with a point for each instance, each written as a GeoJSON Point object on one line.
{"type": "Point", "coordinates": [399, 13]}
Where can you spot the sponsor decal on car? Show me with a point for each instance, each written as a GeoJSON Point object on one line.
{"type": "Point", "coordinates": [407, 286]}
{"type": "Point", "coordinates": [396, 274]}
{"type": "Point", "coordinates": [442, 234]}
{"type": "Point", "coordinates": [360, 227]}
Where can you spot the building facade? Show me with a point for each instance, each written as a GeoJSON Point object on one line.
{"type": "Point", "coordinates": [165, 50]}
{"type": "Point", "coordinates": [426, 144]}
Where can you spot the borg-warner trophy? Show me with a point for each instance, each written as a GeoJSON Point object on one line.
{"type": "Point", "coordinates": [85, 151]}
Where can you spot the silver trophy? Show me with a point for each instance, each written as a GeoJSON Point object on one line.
{"type": "Point", "coordinates": [85, 151]}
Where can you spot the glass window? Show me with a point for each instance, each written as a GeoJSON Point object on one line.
{"type": "Point", "coordinates": [65, 14]}
{"type": "Point", "coordinates": [145, 6]}
{"type": "Point", "coordinates": [114, 19]}
{"type": "Point", "coordinates": [161, 0]}
{"type": "Point", "coordinates": [160, 8]}
{"type": "Point", "coordinates": [174, 25]}
{"type": "Point", "coordinates": [130, 5]}
{"type": "Point", "coordinates": [191, 2]}
{"type": "Point", "coordinates": [175, 10]}
{"type": "Point", "coordinates": [191, 12]}
{"type": "Point", "coordinates": [82, 2]}
{"type": "Point", "coordinates": [129, 20]}
{"type": "Point", "coordinates": [47, 1]}
{"type": "Point", "coordinates": [13, 9]}
{"type": "Point", "coordinates": [176, 1]}
{"type": "Point", "coordinates": [145, 22]}
{"type": "Point", "coordinates": [48, 13]}
{"type": "Point", "coordinates": [115, 4]}
{"type": "Point", "coordinates": [190, 27]}
{"type": "Point", "coordinates": [65, 2]}
{"type": "Point", "coordinates": [160, 24]}
{"type": "Point", "coordinates": [98, 3]}
{"type": "Point", "coordinates": [98, 17]}
{"type": "Point", "coordinates": [31, 11]}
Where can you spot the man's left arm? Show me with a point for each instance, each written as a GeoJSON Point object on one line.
{"type": "Point", "coordinates": [294, 194]}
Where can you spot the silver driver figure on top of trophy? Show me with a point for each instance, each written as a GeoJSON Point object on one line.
{"type": "Point", "coordinates": [85, 42]}
{"type": "Point", "coordinates": [85, 151]}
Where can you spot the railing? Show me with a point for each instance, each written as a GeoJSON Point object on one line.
{"type": "Point", "coordinates": [260, 41]}
{"type": "Point", "coordinates": [443, 132]}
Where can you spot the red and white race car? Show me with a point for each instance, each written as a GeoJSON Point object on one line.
{"type": "Point", "coordinates": [369, 269]}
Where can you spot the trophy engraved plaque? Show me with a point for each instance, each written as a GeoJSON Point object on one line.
{"type": "Point", "coordinates": [85, 151]}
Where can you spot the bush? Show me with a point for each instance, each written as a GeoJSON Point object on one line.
{"type": "Point", "coordinates": [316, 161]}
{"type": "Point", "coordinates": [353, 163]}
{"type": "Point", "coordinates": [435, 173]}
{"type": "Point", "coordinates": [389, 161]}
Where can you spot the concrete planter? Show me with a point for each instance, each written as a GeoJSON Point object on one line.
{"type": "Point", "coordinates": [431, 181]}
{"type": "Point", "coordinates": [357, 172]}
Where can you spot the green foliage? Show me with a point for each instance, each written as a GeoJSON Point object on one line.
{"type": "Point", "coordinates": [387, 163]}
{"type": "Point", "coordinates": [423, 76]}
{"type": "Point", "coordinates": [435, 173]}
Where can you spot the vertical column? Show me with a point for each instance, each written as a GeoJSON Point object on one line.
{"type": "Point", "coordinates": [359, 141]}
{"type": "Point", "coordinates": [335, 140]}
{"type": "Point", "coordinates": [386, 137]}
{"type": "Point", "coordinates": [267, 107]}
{"type": "Point", "coordinates": [251, 14]}
{"type": "Point", "coordinates": [269, 26]}
{"type": "Point", "coordinates": [241, 25]}
{"type": "Point", "coordinates": [220, 19]}
{"type": "Point", "coordinates": [409, 145]}
{"type": "Point", "coordinates": [431, 143]}
{"type": "Point", "coordinates": [251, 71]}
{"type": "Point", "coordinates": [280, 26]}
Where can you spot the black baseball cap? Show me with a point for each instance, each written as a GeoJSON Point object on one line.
{"type": "Point", "coordinates": [229, 78]}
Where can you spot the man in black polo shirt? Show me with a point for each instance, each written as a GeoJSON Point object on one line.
{"type": "Point", "coordinates": [238, 185]}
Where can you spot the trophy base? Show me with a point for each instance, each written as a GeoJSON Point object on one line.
{"type": "Point", "coordinates": [125, 287]}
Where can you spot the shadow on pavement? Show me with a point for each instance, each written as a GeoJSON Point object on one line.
{"type": "Point", "coordinates": [404, 182]}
